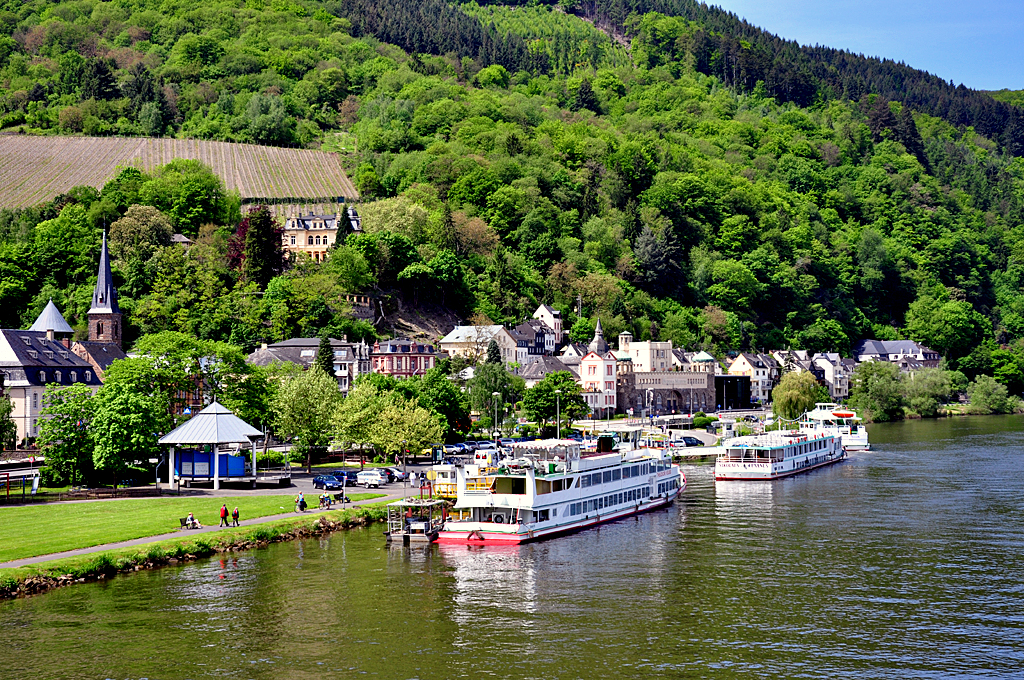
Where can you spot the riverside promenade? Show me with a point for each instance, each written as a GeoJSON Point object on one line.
{"type": "Point", "coordinates": [395, 494]}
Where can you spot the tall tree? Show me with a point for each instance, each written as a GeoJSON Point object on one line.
{"type": "Point", "coordinates": [493, 352]}
{"type": "Point", "coordinates": [8, 428]}
{"type": "Point", "coordinates": [325, 357]}
{"type": "Point", "coordinates": [542, 404]}
{"type": "Point", "coordinates": [875, 390]}
{"type": "Point", "coordinates": [64, 433]}
{"type": "Point", "coordinates": [263, 253]}
{"type": "Point", "coordinates": [303, 408]}
{"type": "Point", "coordinates": [794, 395]}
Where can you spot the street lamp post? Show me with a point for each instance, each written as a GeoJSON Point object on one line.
{"type": "Point", "coordinates": [496, 395]}
{"type": "Point", "coordinates": [405, 482]}
{"type": "Point", "coordinates": [558, 414]}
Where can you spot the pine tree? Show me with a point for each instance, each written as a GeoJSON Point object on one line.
{"type": "Point", "coordinates": [493, 352]}
{"type": "Point", "coordinates": [325, 356]}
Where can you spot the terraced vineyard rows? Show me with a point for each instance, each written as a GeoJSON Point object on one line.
{"type": "Point", "coordinates": [35, 169]}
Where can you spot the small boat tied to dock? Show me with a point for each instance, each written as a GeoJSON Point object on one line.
{"type": "Point", "coordinates": [549, 488]}
{"type": "Point", "coordinates": [776, 454]}
{"type": "Point", "coordinates": [415, 520]}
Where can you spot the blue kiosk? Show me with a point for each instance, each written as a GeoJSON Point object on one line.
{"type": "Point", "coordinates": [195, 454]}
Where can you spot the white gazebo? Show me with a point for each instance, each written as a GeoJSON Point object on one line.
{"type": "Point", "coordinates": [213, 426]}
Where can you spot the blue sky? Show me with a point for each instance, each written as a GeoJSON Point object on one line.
{"type": "Point", "coordinates": [978, 43]}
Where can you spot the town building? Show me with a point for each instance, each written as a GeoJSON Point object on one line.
{"type": "Point", "coordinates": [732, 392]}
{"type": "Point", "coordinates": [536, 371]}
{"type": "Point", "coordinates": [313, 234]}
{"type": "Point", "coordinates": [572, 353]}
{"type": "Point", "coordinates": [402, 358]}
{"type": "Point", "coordinates": [646, 355]}
{"type": "Point", "coordinates": [350, 359]}
{"type": "Point", "coordinates": [553, 319]}
{"type": "Point", "coordinates": [470, 342]}
{"type": "Point", "coordinates": [763, 371]}
{"type": "Point", "coordinates": [894, 350]}
{"type": "Point", "coordinates": [665, 392]}
{"type": "Point", "coordinates": [597, 375]}
{"type": "Point", "coordinates": [835, 373]}
{"type": "Point", "coordinates": [32, 359]}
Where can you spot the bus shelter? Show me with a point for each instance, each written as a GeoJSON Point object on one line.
{"type": "Point", "coordinates": [196, 445]}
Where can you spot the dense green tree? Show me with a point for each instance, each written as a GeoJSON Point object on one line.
{"type": "Point", "coordinates": [65, 433]}
{"type": "Point", "coordinates": [325, 357]}
{"type": "Point", "coordinates": [493, 353]}
{"type": "Point", "coordinates": [303, 408]}
{"type": "Point", "coordinates": [442, 397]}
{"type": "Point", "coordinates": [130, 416]}
{"type": "Point", "coordinates": [263, 254]}
{"type": "Point", "coordinates": [795, 395]}
{"type": "Point", "coordinates": [542, 404]}
{"type": "Point", "coordinates": [8, 428]}
{"type": "Point", "coordinates": [876, 392]}
{"type": "Point", "coordinates": [988, 396]}
{"type": "Point", "coordinates": [925, 389]}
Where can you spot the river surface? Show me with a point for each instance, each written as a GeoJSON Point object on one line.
{"type": "Point", "coordinates": [903, 562]}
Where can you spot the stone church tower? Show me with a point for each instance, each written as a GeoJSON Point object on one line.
{"type": "Point", "coordinates": [105, 315]}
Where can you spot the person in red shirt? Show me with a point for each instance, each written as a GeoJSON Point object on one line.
{"type": "Point", "coordinates": [224, 515]}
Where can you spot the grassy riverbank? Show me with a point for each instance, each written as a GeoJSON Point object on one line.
{"type": "Point", "coordinates": [45, 576]}
{"type": "Point", "coordinates": [28, 531]}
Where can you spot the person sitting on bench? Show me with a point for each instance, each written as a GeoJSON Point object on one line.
{"type": "Point", "coordinates": [192, 523]}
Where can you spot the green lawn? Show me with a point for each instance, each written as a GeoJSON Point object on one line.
{"type": "Point", "coordinates": [27, 531]}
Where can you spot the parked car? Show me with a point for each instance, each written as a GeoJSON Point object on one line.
{"type": "Point", "coordinates": [348, 476]}
{"type": "Point", "coordinates": [374, 478]}
{"type": "Point", "coordinates": [398, 474]}
{"type": "Point", "coordinates": [692, 441]}
{"type": "Point", "coordinates": [328, 482]}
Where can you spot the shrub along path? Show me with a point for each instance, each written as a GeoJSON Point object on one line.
{"type": "Point", "coordinates": [33, 534]}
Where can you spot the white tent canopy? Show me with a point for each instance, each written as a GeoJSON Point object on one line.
{"type": "Point", "coordinates": [213, 425]}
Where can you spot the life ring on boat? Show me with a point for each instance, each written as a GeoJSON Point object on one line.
{"type": "Point", "coordinates": [499, 519]}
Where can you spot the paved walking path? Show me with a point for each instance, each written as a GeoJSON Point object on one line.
{"type": "Point", "coordinates": [176, 534]}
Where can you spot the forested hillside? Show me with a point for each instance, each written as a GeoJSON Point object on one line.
{"type": "Point", "coordinates": [520, 155]}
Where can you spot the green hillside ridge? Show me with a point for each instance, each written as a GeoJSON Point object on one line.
{"type": "Point", "coordinates": [672, 205]}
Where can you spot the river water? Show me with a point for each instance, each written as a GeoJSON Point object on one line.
{"type": "Point", "coordinates": [903, 562]}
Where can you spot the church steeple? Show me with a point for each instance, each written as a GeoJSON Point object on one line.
{"type": "Point", "coordinates": [105, 315]}
{"type": "Point", "coordinates": [598, 344]}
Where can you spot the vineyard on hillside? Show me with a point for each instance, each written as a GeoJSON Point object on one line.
{"type": "Point", "coordinates": [35, 169]}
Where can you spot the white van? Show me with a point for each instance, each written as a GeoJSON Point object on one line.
{"type": "Point", "coordinates": [370, 478]}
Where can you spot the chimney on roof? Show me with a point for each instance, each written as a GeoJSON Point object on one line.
{"type": "Point", "coordinates": [49, 334]}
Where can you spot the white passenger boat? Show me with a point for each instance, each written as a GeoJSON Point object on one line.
{"type": "Point", "coordinates": [839, 421]}
{"type": "Point", "coordinates": [549, 488]}
{"type": "Point", "coordinates": [776, 454]}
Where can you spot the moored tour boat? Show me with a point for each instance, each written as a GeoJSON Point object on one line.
{"type": "Point", "coordinates": [776, 454]}
{"type": "Point", "coordinates": [838, 421]}
{"type": "Point", "coordinates": [549, 488]}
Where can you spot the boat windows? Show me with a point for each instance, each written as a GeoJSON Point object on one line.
{"type": "Point", "coordinates": [607, 476]}
{"type": "Point", "coordinates": [616, 474]}
{"type": "Point", "coordinates": [543, 515]}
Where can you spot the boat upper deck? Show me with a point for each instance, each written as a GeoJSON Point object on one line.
{"type": "Point", "coordinates": [774, 445]}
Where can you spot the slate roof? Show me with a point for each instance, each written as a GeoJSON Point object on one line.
{"type": "Point", "coordinates": [543, 366]}
{"type": "Point", "coordinates": [292, 351]}
{"type": "Point", "coordinates": [102, 353]}
{"type": "Point", "coordinates": [50, 319]}
{"type": "Point", "coordinates": [213, 425]}
{"type": "Point", "coordinates": [28, 358]}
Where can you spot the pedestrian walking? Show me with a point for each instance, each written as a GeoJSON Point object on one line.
{"type": "Point", "coordinates": [224, 515]}
{"type": "Point", "coordinates": [234, 517]}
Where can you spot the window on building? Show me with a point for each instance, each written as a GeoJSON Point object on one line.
{"type": "Point", "coordinates": [74, 376]}
{"type": "Point", "coordinates": [42, 376]}
{"type": "Point", "coordinates": [88, 376]}
{"type": "Point", "coordinates": [35, 400]}
{"type": "Point", "coordinates": [99, 328]}
{"type": "Point", "coordinates": [293, 239]}
{"type": "Point", "coordinates": [57, 374]}
{"type": "Point", "coordinates": [310, 241]}
{"type": "Point", "coordinates": [317, 239]}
